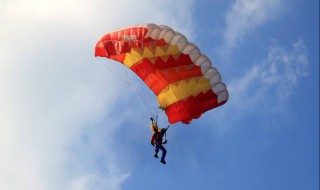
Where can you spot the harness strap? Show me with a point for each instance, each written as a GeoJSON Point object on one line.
{"type": "Point", "coordinates": [165, 134]}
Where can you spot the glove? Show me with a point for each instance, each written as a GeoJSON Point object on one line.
{"type": "Point", "coordinates": [165, 142]}
{"type": "Point", "coordinates": [152, 144]}
{"type": "Point", "coordinates": [151, 118]}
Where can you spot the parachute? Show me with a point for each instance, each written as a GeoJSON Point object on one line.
{"type": "Point", "coordinates": [183, 79]}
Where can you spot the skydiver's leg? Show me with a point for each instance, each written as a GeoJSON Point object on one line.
{"type": "Point", "coordinates": [164, 153]}
{"type": "Point", "coordinates": [156, 150]}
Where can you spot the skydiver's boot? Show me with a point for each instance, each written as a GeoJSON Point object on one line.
{"type": "Point", "coordinates": [163, 161]}
{"type": "Point", "coordinates": [155, 155]}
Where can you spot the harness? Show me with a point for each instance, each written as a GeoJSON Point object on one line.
{"type": "Point", "coordinates": [156, 133]}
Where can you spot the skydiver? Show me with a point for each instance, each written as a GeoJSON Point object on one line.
{"type": "Point", "coordinates": [156, 140]}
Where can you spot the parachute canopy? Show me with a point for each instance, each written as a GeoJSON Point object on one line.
{"type": "Point", "coordinates": [181, 77]}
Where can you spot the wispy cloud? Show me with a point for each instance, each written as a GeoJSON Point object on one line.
{"type": "Point", "coordinates": [272, 80]}
{"type": "Point", "coordinates": [263, 91]}
{"type": "Point", "coordinates": [244, 17]}
{"type": "Point", "coordinates": [54, 102]}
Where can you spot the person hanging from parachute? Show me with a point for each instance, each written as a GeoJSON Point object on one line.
{"type": "Point", "coordinates": [182, 78]}
{"type": "Point", "coordinates": [157, 140]}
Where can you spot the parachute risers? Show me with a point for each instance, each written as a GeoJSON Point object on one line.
{"type": "Point", "coordinates": [180, 76]}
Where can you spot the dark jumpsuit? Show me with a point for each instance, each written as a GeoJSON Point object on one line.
{"type": "Point", "coordinates": [156, 140]}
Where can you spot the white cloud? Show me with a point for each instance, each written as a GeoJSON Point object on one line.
{"type": "Point", "coordinates": [270, 82]}
{"type": "Point", "coordinates": [53, 97]}
{"type": "Point", "coordinates": [261, 95]}
{"type": "Point", "coordinates": [245, 16]}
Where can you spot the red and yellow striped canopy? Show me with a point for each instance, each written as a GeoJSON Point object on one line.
{"type": "Point", "coordinates": [176, 71]}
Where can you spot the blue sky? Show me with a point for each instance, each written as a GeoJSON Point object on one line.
{"type": "Point", "coordinates": [68, 122]}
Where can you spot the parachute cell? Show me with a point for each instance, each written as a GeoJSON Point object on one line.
{"type": "Point", "coordinates": [176, 71]}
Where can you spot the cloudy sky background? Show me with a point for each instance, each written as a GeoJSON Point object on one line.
{"type": "Point", "coordinates": [68, 122]}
